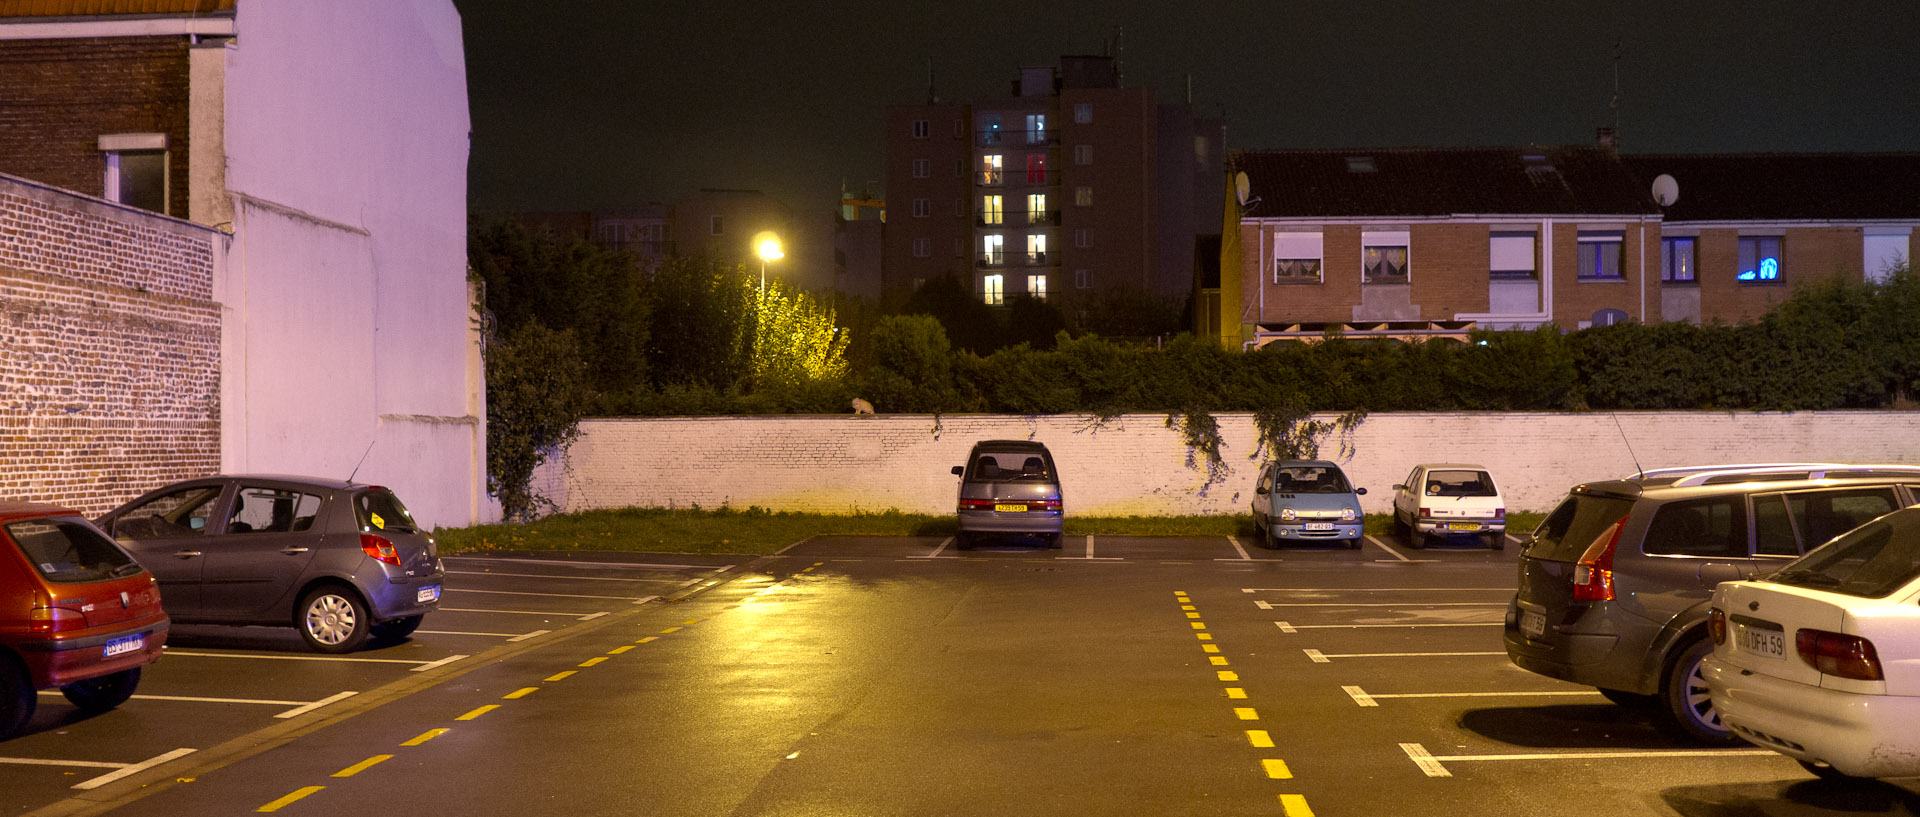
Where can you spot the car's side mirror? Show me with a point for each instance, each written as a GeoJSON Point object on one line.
{"type": "Point", "coordinates": [1260, 489]}
{"type": "Point", "coordinates": [1399, 487]}
{"type": "Point", "coordinates": [959, 469]}
{"type": "Point", "coordinates": [1359, 492]}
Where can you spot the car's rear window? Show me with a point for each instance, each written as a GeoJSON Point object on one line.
{"type": "Point", "coordinates": [1459, 483]}
{"type": "Point", "coordinates": [1872, 561]}
{"type": "Point", "coordinates": [69, 551]}
{"type": "Point", "coordinates": [1009, 466]}
{"type": "Point", "coordinates": [1310, 480]}
{"type": "Point", "coordinates": [1581, 519]}
{"type": "Point", "coordinates": [379, 509]}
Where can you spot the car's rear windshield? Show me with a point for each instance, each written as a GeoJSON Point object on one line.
{"type": "Point", "coordinates": [1291, 479]}
{"type": "Point", "coordinates": [379, 509]}
{"type": "Point", "coordinates": [1459, 483]}
{"type": "Point", "coordinates": [1573, 526]}
{"type": "Point", "coordinates": [1009, 466]}
{"type": "Point", "coordinates": [69, 551]}
{"type": "Point", "coordinates": [1871, 561]}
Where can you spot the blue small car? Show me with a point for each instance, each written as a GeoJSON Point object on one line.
{"type": "Point", "coordinates": [1307, 501]}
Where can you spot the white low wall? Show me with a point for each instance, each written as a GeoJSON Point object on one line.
{"type": "Point", "coordinates": [1136, 465]}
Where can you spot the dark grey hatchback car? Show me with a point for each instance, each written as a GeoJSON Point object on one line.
{"type": "Point", "coordinates": [1614, 584]}
{"type": "Point", "coordinates": [338, 561]}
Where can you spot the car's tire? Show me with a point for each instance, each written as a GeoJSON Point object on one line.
{"type": "Point", "coordinates": [1400, 530]}
{"type": "Point", "coordinates": [103, 693]}
{"type": "Point", "coordinates": [1684, 694]}
{"type": "Point", "coordinates": [387, 632]}
{"type": "Point", "coordinates": [1268, 540]}
{"type": "Point", "coordinates": [1354, 543]}
{"type": "Point", "coordinates": [17, 697]}
{"type": "Point", "coordinates": [1497, 541]}
{"type": "Point", "coordinates": [1057, 541]}
{"type": "Point", "coordinates": [1631, 700]}
{"type": "Point", "coordinates": [1828, 772]}
{"type": "Point", "coordinates": [962, 540]}
{"type": "Point", "coordinates": [333, 619]}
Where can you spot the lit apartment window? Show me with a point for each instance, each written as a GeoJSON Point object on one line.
{"type": "Point", "coordinates": [1083, 154]}
{"type": "Point", "coordinates": [1036, 208]}
{"type": "Point", "coordinates": [1037, 169]}
{"type": "Point", "coordinates": [1383, 258]}
{"type": "Point", "coordinates": [991, 209]}
{"type": "Point", "coordinates": [993, 250]}
{"type": "Point", "coordinates": [920, 168]}
{"type": "Point", "coordinates": [1297, 258]}
{"type": "Point", "coordinates": [1083, 196]}
{"type": "Point", "coordinates": [1036, 128]}
{"type": "Point", "coordinates": [1036, 249]}
{"type": "Point", "coordinates": [919, 128]}
{"type": "Point", "coordinates": [1676, 260]}
{"type": "Point", "coordinates": [136, 172]}
{"type": "Point", "coordinates": [1599, 256]}
{"type": "Point", "coordinates": [1083, 237]}
{"type": "Point", "coordinates": [1760, 260]}
{"type": "Point", "coordinates": [1083, 113]}
{"type": "Point", "coordinates": [993, 290]}
{"type": "Point", "coordinates": [1083, 279]}
{"type": "Point", "coordinates": [922, 247]}
{"type": "Point", "coordinates": [990, 169]}
{"type": "Point", "coordinates": [1511, 256]}
{"type": "Point", "coordinates": [990, 129]}
{"type": "Point", "coordinates": [922, 208]}
{"type": "Point", "coordinates": [1037, 286]}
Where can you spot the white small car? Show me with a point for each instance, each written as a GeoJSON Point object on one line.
{"type": "Point", "coordinates": [1449, 501]}
{"type": "Point", "coordinates": [1820, 661]}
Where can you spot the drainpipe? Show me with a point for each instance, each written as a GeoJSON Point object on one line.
{"type": "Point", "coordinates": [1643, 269]}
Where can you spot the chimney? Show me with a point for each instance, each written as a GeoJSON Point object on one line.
{"type": "Point", "coordinates": [1606, 138]}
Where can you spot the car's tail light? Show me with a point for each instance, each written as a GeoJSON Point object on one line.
{"type": "Point", "coordinates": [55, 620]}
{"type": "Point", "coordinates": [1593, 574]}
{"type": "Point", "coordinates": [976, 504]}
{"type": "Point", "coordinates": [379, 548]}
{"type": "Point", "coordinates": [1043, 504]}
{"type": "Point", "coordinates": [1499, 513]}
{"type": "Point", "coordinates": [1426, 512]}
{"type": "Point", "coordinates": [1848, 656]}
{"type": "Point", "coordinates": [1717, 625]}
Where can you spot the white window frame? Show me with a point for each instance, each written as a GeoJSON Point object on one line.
{"type": "Point", "coordinates": [1083, 154]}
{"type": "Point", "coordinates": [993, 249]}
{"type": "Point", "coordinates": [1385, 239]}
{"type": "Point", "coordinates": [922, 208]}
{"type": "Point", "coordinates": [920, 168]}
{"type": "Point", "coordinates": [1083, 279]}
{"type": "Point", "coordinates": [993, 210]}
{"type": "Point", "coordinates": [993, 289]}
{"type": "Point", "coordinates": [1037, 248]}
{"type": "Point", "coordinates": [1083, 237]}
{"type": "Point", "coordinates": [1037, 286]}
{"type": "Point", "coordinates": [1297, 252]}
{"type": "Point", "coordinates": [118, 146]}
{"type": "Point", "coordinates": [923, 248]}
{"type": "Point", "coordinates": [1511, 256]}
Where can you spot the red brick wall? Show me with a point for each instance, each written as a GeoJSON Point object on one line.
{"type": "Point", "coordinates": [110, 365]}
{"type": "Point", "coordinates": [1575, 300]}
{"type": "Point", "coordinates": [1450, 268]}
{"type": "Point", "coordinates": [57, 97]}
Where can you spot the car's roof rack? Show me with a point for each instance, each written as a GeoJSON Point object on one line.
{"type": "Point", "coordinates": [1687, 477]}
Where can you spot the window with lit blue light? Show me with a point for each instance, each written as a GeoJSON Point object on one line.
{"type": "Point", "coordinates": [1759, 261]}
{"type": "Point", "coordinates": [1676, 260]}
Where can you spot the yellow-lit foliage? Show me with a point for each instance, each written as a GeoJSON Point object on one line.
{"type": "Point", "coordinates": [795, 339]}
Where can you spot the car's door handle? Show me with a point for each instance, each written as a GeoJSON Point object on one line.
{"type": "Point", "coordinates": [291, 551]}
{"type": "Point", "coordinates": [185, 554]}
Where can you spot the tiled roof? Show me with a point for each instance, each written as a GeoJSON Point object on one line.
{"type": "Point", "coordinates": [1412, 182]}
{"type": "Point", "coordinates": [94, 8]}
{"type": "Point", "coordinates": [1787, 186]}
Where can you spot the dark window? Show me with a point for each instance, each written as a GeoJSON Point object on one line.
{"type": "Point", "coordinates": [1699, 527]}
{"type": "Point", "coordinates": [379, 509]}
{"type": "Point", "coordinates": [68, 550]}
{"type": "Point", "coordinates": [1872, 561]}
{"type": "Point", "coordinates": [1576, 524]}
{"type": "Point", "coordinates": [180, 513]}
{"type": "Point", "coordinates": [1383, 265]}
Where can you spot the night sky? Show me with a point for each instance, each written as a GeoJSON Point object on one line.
{"type": "Point", "coordinates": [584, 104]}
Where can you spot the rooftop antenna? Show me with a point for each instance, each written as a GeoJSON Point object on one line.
{"type": "Point", "coordinates": [1629, 444]}
{"type": "Point", "coordinates": [1615, 103]}
{"type": "Point", "coordinates": [363, 461]}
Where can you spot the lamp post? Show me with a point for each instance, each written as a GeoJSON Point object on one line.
{"type": "Point", "coordinates": [767, 245]}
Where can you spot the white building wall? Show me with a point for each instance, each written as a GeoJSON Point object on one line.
{"type": "Point", "coordinates": [347, 320]}
{"type": "Point", "coordinates": [1136, 465]}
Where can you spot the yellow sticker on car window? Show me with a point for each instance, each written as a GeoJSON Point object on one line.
{"type": "Point", "coordinates": [377, 521]}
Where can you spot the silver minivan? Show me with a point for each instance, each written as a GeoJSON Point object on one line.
{"type": "Point", "coordinates": [1614, 583]}
{"type": "Point", "coordinates": [1009, 488]}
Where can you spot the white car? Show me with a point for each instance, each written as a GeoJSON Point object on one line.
{"type": "Point", "coordinates": [1820, 661]}
{"type": "Point", "coordinates": [1449, 500]}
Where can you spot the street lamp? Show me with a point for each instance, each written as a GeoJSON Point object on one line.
{"type": "Point", "coordinates": [767, 245]}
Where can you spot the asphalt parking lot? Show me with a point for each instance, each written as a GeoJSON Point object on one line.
{"type": "Point", "coordinates": [1122, 674]}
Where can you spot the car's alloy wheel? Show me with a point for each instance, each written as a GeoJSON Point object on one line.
{"type": "Point", "coordinates": [333, 620]}
{"type": "Point", "coordinates": [103, 693]}
{"type": "Point", "coordinates": [17, 697]}
{"type": "Point", "coordinates": [1685, 694]}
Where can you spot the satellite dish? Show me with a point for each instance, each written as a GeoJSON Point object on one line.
{"type": "Point", "coordinates": [1240, 187]}
{"type": "Point", "coordinates": [1665, 190]}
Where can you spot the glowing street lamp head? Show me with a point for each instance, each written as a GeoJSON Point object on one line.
{"type": "Point", "coordinates": [768, 246]}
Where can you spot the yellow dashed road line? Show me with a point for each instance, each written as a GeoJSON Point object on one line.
{"type": "Point", "coordinates": [619, 650]}
{"type": "Point", "coordinates": [289, 799]}
{"type": "Point", "coordinates": [1276, 769]}
{"type": "Point", "coordinates": [1295, 805]}
{"type": "Point", "coordinates": [1236, 692]}
{"type": "Point", "coordinates": [592, 661]}
{"type": "Point", "coordinates": [1259, 738]}
{"type": "Point", "coordinates": [1246, 713]}
{"type": "Point", "coordinates": [362, 766]}
{"type": "Point", "coordinates": [428, 735]}
{"type": "Point", "coordinates": [477, 712]}
{"type": "Point", "coordinates": [561, 676]}
{"type": "Point", "coordinates": [647, 639]}
{"type": "Point", "coordinates": [519, 693]}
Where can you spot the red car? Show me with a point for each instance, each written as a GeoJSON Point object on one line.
{"type": "Point", "coordinates": [76, 613]}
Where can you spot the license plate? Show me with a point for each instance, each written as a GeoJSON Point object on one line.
{"type": "Point", "coordinates": [1010, 508]}
{"type": "Point", "coordinates": [1760, 641]}
{"type": "Point", "coordinates": [126, 644]}
{"type": "Point", "coordinates": [1463, 526]}
{"type": "Point", "coordinates": [1532, 624]}
{"type": "Point", "coordinates": [429, 593]}
{"type": "Point", "coordinates": [1318, 526]}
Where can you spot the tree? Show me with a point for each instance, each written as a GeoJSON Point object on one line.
{"type": "Point", "coordinates": [536, 394]}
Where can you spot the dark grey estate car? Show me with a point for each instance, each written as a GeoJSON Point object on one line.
{"type": "Point", "coordinates": [338, 561]}
{"type": "Point", "coordinates": [1009, 487]}
{"type": "Point", "coordinates": [1614, 584]}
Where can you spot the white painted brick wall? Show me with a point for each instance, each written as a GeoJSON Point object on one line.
{"type": "Point", "coordinates": [1136, 465]}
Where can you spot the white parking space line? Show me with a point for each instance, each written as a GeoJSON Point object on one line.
{"type": "Point", "coordinates": [131, 768]}
{"type": "Point", "coordinates": [584, 565]}
{"type": "Point", "coordinates": [1294, 628]}
{"type": "Point", "coordinates": [675, 580]}
{"type": "Point", "coordinates": [549, 595]}
{"type": "Point", "coordinates": [1092, 558]}
{"type": "Point", "coordinates": [335, 658]}
{"type": "Point", "coordinates": [1432, 764]}
{"type": "Point", "coordinates": [1268, 605]}
{"type": "Point", "coordinates": [438, 664]}
{"type": "Point", "coordinates": [1364, 698]}
{"type": "Point", "coordinates": [305, 708]}
{"type": "Point", "coordinates": [525, 636]}
{"type": "Point", "coordinates": [581, 616]}
{"type": "Point", "coordinates": [476, 635]}
{"type": "Point", "coordinates": [1319, 657]}
{"type": "Point", "coordinates": [1507, 590]}
{"type": "Point", "coordinates": [301, 707]}
{"type": "Point", "coordinates": [938, 550]}
{"type": "Point", "coordinates": [1235, 542]}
